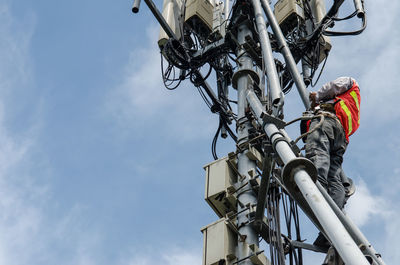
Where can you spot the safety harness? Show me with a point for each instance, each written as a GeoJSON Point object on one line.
{"type": "Point", "coordinates": [345, 109]}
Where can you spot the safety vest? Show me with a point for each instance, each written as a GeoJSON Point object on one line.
{"type": "Point", "coordinates": [347, 108]}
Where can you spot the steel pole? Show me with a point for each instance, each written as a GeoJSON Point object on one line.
{"type": "Point", "coordinates": [353, 230]}
{"type": "Point", "coordinates": [136, 5]}
{"type": "Point", "coordinates": [160, 19]}
{"type": "Point", "coordinates": [269, 61]}
{"type": "Point", "coordinates": [247, 197]}
{"type": "Point", "coordinates": [290, 62]}
{"type": "Point", "coordinates": [334, 229]}
{"type": "Point", "coordinates": [336, 232]}
{"type": "Point", "coordinates": [226, 7]}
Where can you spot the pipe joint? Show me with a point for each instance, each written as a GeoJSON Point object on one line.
{"type": "Point", "coordinates": [243, 72]}
{"type": "Point", "coordinates": [295, 165]}
{"type": "Point", "coordinates": [276, 138]}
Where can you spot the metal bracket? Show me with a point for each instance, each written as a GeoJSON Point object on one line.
{"type": "Point", "coordinates": [295, 148]}
{"type": "Point", "coordinates": [230, 217]}
{"type": "Point", "coordinates": [254, 155]}
{"type": "Point", "coordinates": [302, 245]}
{"type": "Point", "coordinates": [267, 118]}
{"type": "Point", "coordinates": [256, 256]}
{"type": "Point", "coordinates": [206, 51]}
{"type": "Point", "coordinates": [232, 163]}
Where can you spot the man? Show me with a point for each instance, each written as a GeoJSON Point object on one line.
{"type": "Point", "coordinates": [339, 102]}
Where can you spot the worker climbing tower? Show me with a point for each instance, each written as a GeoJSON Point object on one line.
{"type": "Point", "coordinates": [256, 48]}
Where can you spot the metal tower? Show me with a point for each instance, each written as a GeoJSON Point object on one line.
{"type": "Point", "coordinates": [266, 175]}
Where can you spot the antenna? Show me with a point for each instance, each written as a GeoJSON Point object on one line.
{"type": "Point", "coordinates": [266, 175]}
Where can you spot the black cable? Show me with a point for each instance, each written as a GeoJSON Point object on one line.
{"type": "Point", "coordinates": [309, 12]}
{"type": "Point", "coordinates": [322, 69]}
{"type": "Point", "coordinates": [208, 74]}
{"type": "Point", "coordinates": [315, 59]}
{"type": "Point", "coordinates": [165, 75]}
{"type": "Point", "coordinates": [349, 33]}
{"type": "Point", "coordinates": [298, 233]}
{"type": "Point", "coordinates": [288, 218]}
{"type": "Point", "coordinates": [228, 17]}
{"type": "Point", "coordinates": [288, 88]}
{"type": "Point", "coordinates": [280, 245]}
{"type": "Point", "coordinates": [270, 225]}
{"type": "Point", "coordinates": [204, 97]}
{"type": "Point", "coordinates": [214, 141]}
{"type": "Point", "coordinates": [213, 104]}
{"type": "Point", "coordinates": [292, 216]}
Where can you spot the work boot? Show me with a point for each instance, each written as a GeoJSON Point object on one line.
{"type": "Point", "coordinates": [322, 242]}
{"type": "Point", "coordinates": [332, 258]}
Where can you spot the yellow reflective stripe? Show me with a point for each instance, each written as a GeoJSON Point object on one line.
{"type": "Point", "coordinates": [354, 95]}
{"type": "Point", "coordinates": [348, 113]}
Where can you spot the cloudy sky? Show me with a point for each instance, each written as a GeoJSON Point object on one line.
{"type": "Point", "coordinates": [100, 164]}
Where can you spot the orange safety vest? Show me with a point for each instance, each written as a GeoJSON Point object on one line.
{"type": "Point", "coordinates": [347, 108]}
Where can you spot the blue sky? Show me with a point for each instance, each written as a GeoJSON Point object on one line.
{"type": "Point", "coordinates": [100, 164]}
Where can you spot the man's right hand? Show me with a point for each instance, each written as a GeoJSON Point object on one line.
{"type": "Point", "coordinates": [313, 97]}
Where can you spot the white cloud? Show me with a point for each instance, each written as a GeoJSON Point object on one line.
{"type": "Point", "coordinates": [372, 58]}
{"type": "Point", "coordinates": [364, 207]}
{"type": "Point", "coordinates": [391, 221]}
{"type": "Point", "coordinates": [21, 199]}
{"type": "Point", "coordinates": [32, 230]}
{"type": "Point", "coordinates": [182, 258]}
{"type": "Point", "coordinates": [392, 227]}
{"type": "Point", "coordinates": [380, 83]}
{"type": "Point", "coordinates": [14, 43]}
{"type": "Point", "coordinates": [170, 256]}
{"type": "Point", "coordinates": [142, 84]}
{"type": "Point", "coordinates": [142, 100]}
{"type": "Point", "coordinates": [20, 217]}
{"type": "Point", "coordinates": [28, 235]}
{"type": "Point", "coordinates": [380, 211]}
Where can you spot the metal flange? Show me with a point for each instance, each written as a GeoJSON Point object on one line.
{"type": "Point", "coordinates": [293, 166]}
{"type": "Point", "coordinates": [244, 72]}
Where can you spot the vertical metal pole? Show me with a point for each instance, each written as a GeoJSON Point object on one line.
{"type": "Point", "coordinates": [290, 62]}
{"type": "Point", "coordinates": [269, 61]}
{"type": "Point", "coordinates": [335, 230]}
{"type": "Point", "coordinates": [247, 197]}
{"type": "Point", "coordinates": [226, 9]}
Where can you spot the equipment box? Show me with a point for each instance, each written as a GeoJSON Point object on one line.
{"type": "Point", "coordinates": [199, 15]}
{"type": "Point", "coordinates": [219, 243]}
{"type": "Point", "coordinates": [287, 13]}
{"type": "Point", "coordinates": [219, 190]}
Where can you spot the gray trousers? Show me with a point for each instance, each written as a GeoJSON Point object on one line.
{"type": "Point", "coordinates": [325, 148]}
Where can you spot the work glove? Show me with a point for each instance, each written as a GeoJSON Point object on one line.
{"type": "Point", "coordinates": [313, 99]}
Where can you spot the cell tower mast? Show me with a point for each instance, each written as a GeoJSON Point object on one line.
{"type": "Point", "coordinates": [267, 173]}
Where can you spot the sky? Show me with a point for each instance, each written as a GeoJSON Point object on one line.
{"type": "Point", "coordinates": [100, 164]}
